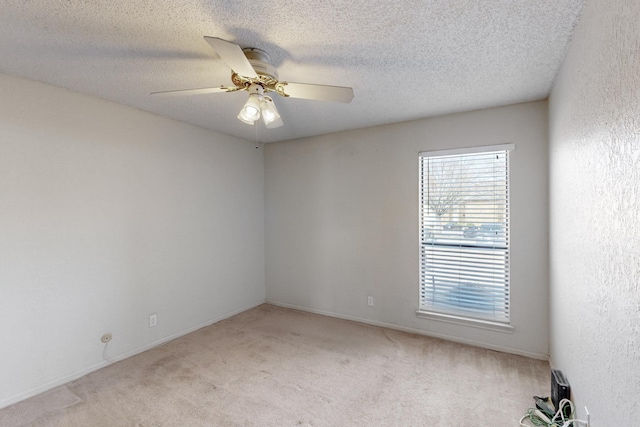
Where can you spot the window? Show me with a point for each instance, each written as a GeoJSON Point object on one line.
{"type": "Point", "coordinates": [464, 233]}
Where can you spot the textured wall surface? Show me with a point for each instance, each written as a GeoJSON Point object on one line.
{"type": "Point", "coordinates": [109, 214]}
{"type": "Point", "coordinates": [595, 213]}
{"type": "Point", "coordinates": [342, 222]}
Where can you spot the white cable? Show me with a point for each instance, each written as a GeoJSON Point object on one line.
{"type": "Point", "coordinates": [560, 412]}
{"type": "Point", "coordinates": [104, 353]}
{"type": "Point", "coordinates": [558, 420]}
{"type": "Point", "coordinates": [542, 416]}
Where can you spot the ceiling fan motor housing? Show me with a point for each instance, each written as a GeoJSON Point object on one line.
{"type": "Point", "coordinates": [261, 63]}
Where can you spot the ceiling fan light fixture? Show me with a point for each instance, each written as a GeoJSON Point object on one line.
{"type": "Point", "coordinates": [250, 112]}
{"type": "Point", "coordinates": [252, 71]}
{"type": "Point", "coordinates": [275, 124]}
{"type": "Point", "coordinates": [270, 114]}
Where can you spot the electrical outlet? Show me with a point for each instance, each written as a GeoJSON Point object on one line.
{"type": "Point", "coordinates": [153, 320]}
{"type": "Point", "coordinates": [587, 416]}
{"type": "Point", "coordinates": [106, 337]}
{"type": "Point", "coordinates": [370, 301]}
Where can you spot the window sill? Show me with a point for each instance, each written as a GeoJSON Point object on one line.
{"type": "Point", "coordinates": [465, 321]}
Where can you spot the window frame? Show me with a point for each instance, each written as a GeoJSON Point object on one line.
{"type": "Point", "coordinates": [451, 316]}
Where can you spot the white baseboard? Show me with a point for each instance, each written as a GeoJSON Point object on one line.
{"type": "Point", "coordinates": [67, 378]}
{"type": "Point", "coordinates": [532, 355]}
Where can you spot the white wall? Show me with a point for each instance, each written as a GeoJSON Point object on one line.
{"type": "Point", "coordinates": [342, 222]}
{"type": "Point", "coordinates": [595, 213]}
{"type": "Point", "coordinates": [108, 214]}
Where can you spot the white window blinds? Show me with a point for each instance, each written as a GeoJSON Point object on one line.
{"type": "Point", "coordinates": [464, 233]}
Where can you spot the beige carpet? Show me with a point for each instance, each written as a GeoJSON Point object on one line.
{"type": "Point", "coordinates": [272, 366]}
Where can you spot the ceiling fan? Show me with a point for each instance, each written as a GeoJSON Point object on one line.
{"type": "Point", "coordinates": [251, 70]}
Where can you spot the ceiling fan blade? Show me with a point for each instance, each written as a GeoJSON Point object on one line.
{"type": "Point", "coordinates": [318, 92]}
{"type": "Point", "coordinates": [195, 91]}
{"type": "Point", "coordinates": [233, 56]}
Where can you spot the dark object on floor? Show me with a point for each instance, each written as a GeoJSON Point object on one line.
{"type": "Point", "coordinates": [560, 388]}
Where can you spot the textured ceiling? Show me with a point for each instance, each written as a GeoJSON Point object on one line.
{"type": "Point", "coordinates": [405, 59]}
